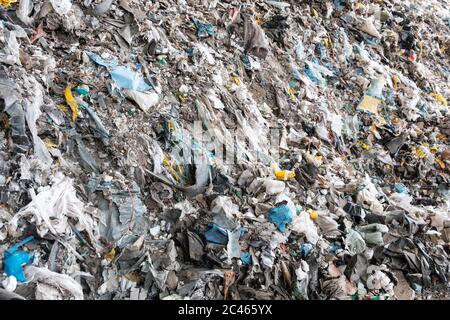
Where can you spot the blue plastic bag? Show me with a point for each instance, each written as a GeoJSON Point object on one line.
{"type": "Point", "coordinates": [218, 234]}
{"type": "Point", "coordinates": [281, 216]}
{"type": "Point", "coordinates": [124, 77]}
{"type": "Point", "coordinates": [246, 258]}
{"type": "Point", "coordinates": [204, 29]}
{"type": "Point", "coordinates": [14, 259]}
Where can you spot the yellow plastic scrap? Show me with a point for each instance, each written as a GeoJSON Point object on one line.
{"type": "Point", "coordinates": [419, 152]}
{"type": "Point", "coordinates": [284, 175]}
{"type": "Point", "coordinates": [72, 103]}
{"type": "Point", "coordinates": [182, 98]}
{"type": "Point", "coordinates": [237, 80]}
{"type": "Point", "coordinates": [110, 255]}
{"type": "Point", "coordinates": [7, 3]}
{"type": "Point", "coordinates": [440, 98]}
{"type": "Point", "coordinates": [313, 214]}
{"type": "Point", "coordinates": [291, 93]}
{"type": "Point", "coordinates": [314, 12]}
{"type": "Point", "coordinates": [169, 166]}
{"type": "Point", "coordinates": [395, 82]}
{"type": "Point", "coordinates": [363, 145]}
{"type": "Point", "coordinates": [326, 43]}
{"type": "Point", "coordinates": [49, 144]}
{"type": "Point", "coordinates": [369, 104]}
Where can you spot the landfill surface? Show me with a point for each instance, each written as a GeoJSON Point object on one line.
{"type": "Point", "coordinates": [221, 150]}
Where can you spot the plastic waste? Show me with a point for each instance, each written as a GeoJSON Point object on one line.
{"type": "Point", "coordinates": [7, 3]}
{"type": "Point", "coordinates": [224, 205]}
{"type": "Point", "coordinates": [367, 25]}
{"type": "Point", "coordinates": [204, 29]}
{"type": "Point", "coordinates": [124, 77]}
{"type": "Point", "coordinates": [145, 100]}
{"type": "Point", "coordinates": [217, 235]}
{"type": "Point", "coordinates": [72, 103]}
{"type": "Point", "coordinates": [246, 258]}
{"type": "Point", "coordinates": [373, 233]}
{"type": "Point", "coordinates": [303, 224]}
{"type": "Point", "coordinates": [401, 188]}
{"type": "Point", "coordinates": [313, 214]}
{"type": "Point", "coordinates": [99, 126]}
{"type": "Point", "coordinates": [54, 286]}
{"type": "Point", "coordinates": [233, 248]}
{"type": "Point", "coordinates": [281, 216]}
{"type": "Point", "coordinates": [255, 39]}
{"type": "Point", "coordinates": [439, 98]}
{"type": "Point", "coordinates": [102, 7]}
{"type": "Point", "coordinates": [61, 7]}
{"type": "Point", "coordinates": [14, 259]}
{"type": "Point", "coordinates": [305, 249]}
{"type": "Point", "coordinates": [10, 283]}
{"type": "Point", "coordinates": [283, 175]}
{"type": "Point", "coordinates": [278, 4]}
{"type": "Point", "coordinates": [317, 73]}
{"type": "Point", "coordinates": [274, 187]}
{"type": "Point", "coordinates": [354, 242]}
{"type": "Point", "coordinates": [32, 113]}
{"type": "Point", "coordinates": [373, 96]}
{"type": "Point", "coordinates": [301, 281]}
{"type": "Point", "coordinates": [153, 210]}
{"type": "Point", "coordinates": [378, 280]}
{"type": "Point", "coordinates": [52, 208]}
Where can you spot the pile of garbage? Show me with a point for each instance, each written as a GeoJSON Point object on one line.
{"type": "Point", "coordinates": [224, 149]}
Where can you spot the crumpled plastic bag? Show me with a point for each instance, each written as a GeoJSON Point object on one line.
{"type": "Point", "coordinates": [304, 225]}
{"type": "Point", "coordinates": [133, 84]}
{"type": "Point", "coordinates": [53, 286]}
{"type": "Point", "coordinates": [123, 76]}
{"type": "Point", "coordinates": [354, 242]}
{"type": "Point", "coordinates": [373, 233]}
{"type": "Point", "coordinates": [9, 54]}
{"type": "Point", "coordinates": [256, 42]}
{"type": "Point", "coordinates": [255, 39]}
{"type": "Point", "coordinates": [233, 248]}
{"type": "Point", "coordinates": [367, 197]}
{"type": "Point", "coordinates": [144, 100]}
{"type": "Point", "coordinates": [378, 280]}
{"type": "Point", "coordinates": [224, 205]}
{"type": "Point", "coordinates": [33, 112]}
{"type": "Point", "coordinates": [61, 7]}
{"type": "Point", "coordinates": [281, 216]}
{"type": "Point", "coordinates": [24, 12]}
{"type": "Point", "coordinates": [302, 281]}
{"type": "Point", "coordinates": [51, 209]}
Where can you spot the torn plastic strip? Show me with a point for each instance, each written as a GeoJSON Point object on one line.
{"type": "Point", "coordinates": [32, 115]}
{"type": "Point", "coordinates": [14, 110]}
{"type": "Point", "coordinates": [99, 127]}
{"type": "Point", "coordinates": [87, 160]}
{"type": "Point", "coordinates": [72, 103]}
